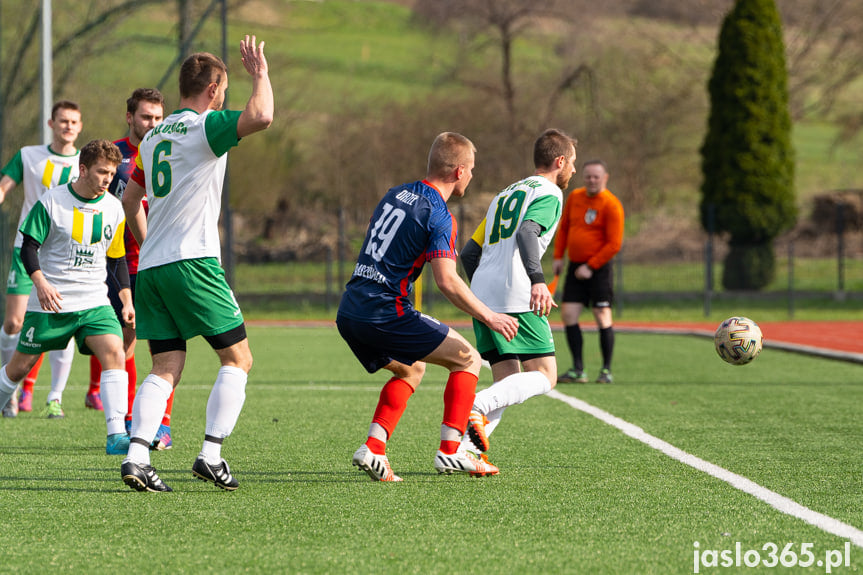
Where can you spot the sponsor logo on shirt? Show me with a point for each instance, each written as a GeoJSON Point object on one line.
{"type": "Point", "coordinates": [369, 273]}
{"type": "Point", "coordinates": [406, 197]}
{"type": "Point", "coordinates": [175, 128]}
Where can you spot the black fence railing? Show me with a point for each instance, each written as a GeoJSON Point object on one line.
{"type": "Point", "coordinates": [825, 263]}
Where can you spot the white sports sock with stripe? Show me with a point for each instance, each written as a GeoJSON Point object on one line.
{"type": "Point", "coordinates": [151, 400]}
{"type": "Point", "coordinates": [115, 399]}
{"type": "Point", "coordinates": [223, 409]}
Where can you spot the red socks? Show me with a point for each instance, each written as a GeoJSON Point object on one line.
{"type": "Point", "coordinates": [457, 402]}
{"type": "Point", "coordinates": [449, 447]}
{"type": "Point", "coordinates": [391, 404]}
{"type": "Point", "coordinates": [95, 375]}
{"type": "Point", "coordinates": [30, 378]}
{"type": "Point", "coordinates": [166, 419]}
{"type": "Point", "coordinates": [458, 399]}
{"type": "Point", "coordinates": [376, 446]}
{"type": "Point", "coordinates": [132, 372]}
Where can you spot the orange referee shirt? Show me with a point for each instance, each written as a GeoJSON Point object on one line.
{"type": "Point", "coordinates": [590, 229]}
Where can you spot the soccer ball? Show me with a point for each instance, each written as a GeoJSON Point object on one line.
{"type": "Point", "coordinates": [738, 340]}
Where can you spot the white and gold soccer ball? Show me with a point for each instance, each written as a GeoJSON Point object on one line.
{"type": "Point", "coordinates": [738, 340]}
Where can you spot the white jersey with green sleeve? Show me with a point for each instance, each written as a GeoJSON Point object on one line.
{"type": "Point", "coordinates": [183, 162]}
{"type": "Point", "coordinates": [76, 236]}
{"type": "Point", "coordinates": [39, 169]}
{"type": "Point", "coordinates": [500, 280]}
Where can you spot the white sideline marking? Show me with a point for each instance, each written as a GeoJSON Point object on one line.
{"type": "Point", "coordinates": [775, 500]}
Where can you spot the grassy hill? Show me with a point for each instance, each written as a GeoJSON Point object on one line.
{"type": "Point", "coordinates": [333, 55]}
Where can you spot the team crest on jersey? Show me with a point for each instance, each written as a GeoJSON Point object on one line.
{"type": "Point", "coordinates": [82, 257]}
{"type": "Point", "coordinates": [590, 216]}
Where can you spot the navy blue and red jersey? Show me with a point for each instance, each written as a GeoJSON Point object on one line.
{"type": "Point", "coordinates": [410, 226]}
{"type": "Point", "coordinates": [117, 187]}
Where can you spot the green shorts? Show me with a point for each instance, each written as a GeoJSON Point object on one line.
{"type": "Point", "coordinates": [533, 337]}
{"type": "Point", "coordinates": [47, 331]}
{"type": "Point", "coordinates": [18, 282]}
{"type": "Point", "coordinates": [184, 299]}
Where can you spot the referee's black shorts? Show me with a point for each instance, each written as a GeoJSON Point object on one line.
{"type": "Point", "coordinates": [598, 291]}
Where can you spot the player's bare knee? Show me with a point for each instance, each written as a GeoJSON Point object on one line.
{"type": "Point", "coordinates": [113, 358]}
{"type": "Point", "coordinates": [414, 373]}
{"type": "Point", "coordinates": [246, 363]}
{"type": "Point", "coordinates": [15, 374]}
{"type": "Point", "coordinates": [12, 325]}
{"type": "Point", "coordinates": [237, 357]}
{"type": "Point", "coordinates": [20, 365]}
{"type": "Point", "coordinates": [471, 362]}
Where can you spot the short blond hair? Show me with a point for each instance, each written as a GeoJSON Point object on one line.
{"type": "Point", "coordinates": [449, 151]}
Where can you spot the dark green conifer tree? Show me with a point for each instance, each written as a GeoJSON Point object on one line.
{"type": "Point", "coordinates": [747, 155]}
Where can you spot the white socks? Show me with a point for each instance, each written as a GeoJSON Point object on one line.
{"type": "Point", "coordinates": [115, 399]}
{"type": "Point", "coordinates": [61, 365]}
{"type": "Point", "coordinates": [223, 410]}
{"type": "Point", "coordinates": [151, 400]}
{"type": "Point", "coordinates": [377, 431]}
{"type": "Point", "coordinates": [8, 343]}
{"type": "Point", "coordinates": [61, 362]}
{"type": "Point", "coordinates": [511, 390]}
{"type": "Point", "coordinates": [7, 387]}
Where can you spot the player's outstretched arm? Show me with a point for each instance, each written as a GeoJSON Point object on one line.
{"type": "Point", "coordinates": [259, 110]}
{"type": "Point", "coordinates": [453, 287]}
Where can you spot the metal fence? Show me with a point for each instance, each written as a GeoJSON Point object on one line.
{"type": "Point", "coordinates": [827, 266]}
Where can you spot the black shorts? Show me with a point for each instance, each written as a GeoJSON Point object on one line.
{"type": "Point", "coordinates": [407, 339]}
{"type": "Point", "coordinates": [598, 291]}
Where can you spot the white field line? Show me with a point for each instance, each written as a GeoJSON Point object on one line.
{"type": "Point", "coordinates": [775, 500]}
